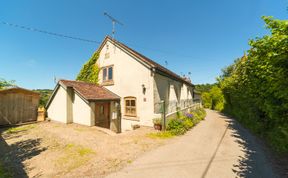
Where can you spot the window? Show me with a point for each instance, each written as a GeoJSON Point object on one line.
{"type": "Point", "coordinates": [130, 106]}
{"type": "Point", "coordinates": [107, 73]}
{"type": "Point", "coordinates": [110, 73]}
{"type": "Point", "coordinates": [104, 74]}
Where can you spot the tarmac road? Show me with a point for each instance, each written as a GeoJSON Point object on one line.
{"type": "Point", "coordinates": [216, 147]}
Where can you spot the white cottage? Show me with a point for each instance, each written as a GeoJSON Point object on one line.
{"type": "Point", "coordinates": [131, 88]}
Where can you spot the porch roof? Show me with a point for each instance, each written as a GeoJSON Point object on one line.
{"type": "Point", "coordinates": [90, 91]}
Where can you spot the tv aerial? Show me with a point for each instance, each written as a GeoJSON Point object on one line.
{"type": "Point", "coordinates": [114, 22]}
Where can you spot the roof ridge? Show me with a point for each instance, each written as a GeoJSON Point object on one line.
{"type": "Point", "coordinates": [148, 60]}
{"type": "Point", "coordinates": [79, 81]}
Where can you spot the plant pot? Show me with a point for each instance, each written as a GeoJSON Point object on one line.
{"type": "Point", "coordinates": [157, 126]}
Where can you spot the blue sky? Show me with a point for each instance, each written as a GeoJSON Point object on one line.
{"type": "Point", "coordinates": [197, 36]}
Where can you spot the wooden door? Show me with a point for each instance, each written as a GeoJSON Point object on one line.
{"type": "Point", "coordinates": [102, 117]}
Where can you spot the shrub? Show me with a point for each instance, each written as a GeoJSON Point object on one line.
{"type": "Point", "coordinates": [157, 121]}
{"type": "Point", "coordinates": [189, 115]}
{"type": "Point", "coordinates": [188, 123]}
{"type": "Point", "coordinates": [180, 124]}
{"type": "Point", "coordinates": [176, 126]}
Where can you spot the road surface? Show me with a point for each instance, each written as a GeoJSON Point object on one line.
{"type": "Point", "coordinates": [216, 147]}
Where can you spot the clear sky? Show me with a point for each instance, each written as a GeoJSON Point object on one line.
{"type": "Point", "coordinates": [197, 36]}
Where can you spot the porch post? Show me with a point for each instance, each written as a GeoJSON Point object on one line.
{"type": "Point", "coordinates": [92, 113]}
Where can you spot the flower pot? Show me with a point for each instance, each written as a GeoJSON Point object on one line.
{"type": "Point", "coordinates": [157, 126]}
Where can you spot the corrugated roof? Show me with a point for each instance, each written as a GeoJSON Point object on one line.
{"type": "Point", "coordinates": [90, 91]}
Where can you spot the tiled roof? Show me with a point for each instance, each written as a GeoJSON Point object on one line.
{"type": "Point", "coordinates": [90, 91]}
{"type": "Point", "coordinates": [148, 61]}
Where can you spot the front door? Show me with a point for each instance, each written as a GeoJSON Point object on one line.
{"type": "Point", "coordinates": [102, 111]}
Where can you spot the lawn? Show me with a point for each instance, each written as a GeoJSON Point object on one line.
{"type": "Point", "coordinates": [51, 149]}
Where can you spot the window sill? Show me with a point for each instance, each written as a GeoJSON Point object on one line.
{"type": "Point", "coordinates": [110, 82]}
{"type": "Point", "coordinates": [133, 118]}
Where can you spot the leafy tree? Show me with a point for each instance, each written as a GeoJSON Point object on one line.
{"type": "Point", "coordinates": [204, 87]}
{"type": "Point", "coordinates": [206, 100]}
{"type": "Point", "coordinates": [213, 98]}
{"type": "Point", "coordinates": [217, 98]}
{"type": "Point", "coordinates": [90, 70]}
{"type": "Point", "coordinates": [44, 96]}
{"type": "Point", "coordinates": [4, 83]}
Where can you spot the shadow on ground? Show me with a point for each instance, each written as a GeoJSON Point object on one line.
{"type": "Point", "coordinates": [252, 163]}
{"type": "Point", "coordinates": [13, 155]}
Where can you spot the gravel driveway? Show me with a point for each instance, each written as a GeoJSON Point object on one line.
{"type": "Point", "coordinates": [51, 149]}
{"type": "Point", "coordinates": [217, 147]}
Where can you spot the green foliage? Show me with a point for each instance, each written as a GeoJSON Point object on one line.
{"type": "Point", "coordinates": [206, 100]}
{"type": "Point", "coordinates": [213, 99]}
{"type": "Point", "coordinates": [90, 70]}
{"type": "Point", "coordinates": [204, 87]}
{"type": "Point", "coordinates": [20, 128]}
{"type": "Point", "coordinates": [44, 96]}
{"type": "Point", "coordinates": [4, 83]}
{"type": "Point", "coordinates": [182, 123]}
{"type": "Point", "coordinates": [157, 121]}
{"type": "Point", "coordinates": [162, 135]}
{"type": "Point", "coordinates": [5, 172]}
{"type": "Point", "coordinates": [176, 126]}
{"type": "Point", "coordinates": [255, 87]}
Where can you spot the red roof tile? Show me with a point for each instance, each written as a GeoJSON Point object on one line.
{"type": "Point", "coordinates": [90, 91]}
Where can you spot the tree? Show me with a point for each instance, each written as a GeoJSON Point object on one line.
{"type": "Point", "coordinates": [4, 83]}
{"type": "Point", "coordinates": [90, 70]}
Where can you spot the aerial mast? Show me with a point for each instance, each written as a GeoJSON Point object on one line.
{"type": "Point", "coordinates": [114, 21]}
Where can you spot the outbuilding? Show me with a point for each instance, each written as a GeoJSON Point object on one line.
{"type": "Point", "coordinates": [18, 105]}
{"type": "Point", "coordinates": [84, 103]}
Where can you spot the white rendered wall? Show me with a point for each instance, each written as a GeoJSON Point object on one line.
{"type": "Point", "coordinates": [57, 108]}
{"type": "Point", "coordinates": [129, 75]}
{"type": "Point", "coordinates": [81, 111]}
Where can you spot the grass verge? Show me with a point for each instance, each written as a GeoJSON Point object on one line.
{"type": "Point", "coordinates": [20, 128]}
{"type": "Point", "coordinates": [161, 135]}
{"type": "Point", "coordinates": [73, 157]}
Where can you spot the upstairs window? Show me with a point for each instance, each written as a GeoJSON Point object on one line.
{"type": "Point", "coordinates": [107, 73]}
{"type": "Point", "coordinates": [130, 106]}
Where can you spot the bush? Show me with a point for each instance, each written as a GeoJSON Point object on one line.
{"type": "Point", "coordinates": [188, 124]}
{"type": "Point", "coordinates": [182, 123]}
{"type": "Point", "coordinates": [176, 126]}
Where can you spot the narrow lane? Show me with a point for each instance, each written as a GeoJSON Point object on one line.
{"type": "Point", "coordinates": [217, 147]}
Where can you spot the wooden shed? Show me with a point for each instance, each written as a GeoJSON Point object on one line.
{"type": "Point", "coordinates": [18, 105]}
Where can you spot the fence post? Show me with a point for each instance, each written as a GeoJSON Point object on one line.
{"type": "Point", "coordinates": [164, 114]}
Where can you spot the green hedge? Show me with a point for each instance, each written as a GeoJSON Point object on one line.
{"type": "Point", "coordinates": [255, 87]}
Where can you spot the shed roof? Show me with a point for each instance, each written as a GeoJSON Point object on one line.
{"type": "Point", "coordinates": [19, 90]}
{"type": "Point", "coordinates": [90, 91]}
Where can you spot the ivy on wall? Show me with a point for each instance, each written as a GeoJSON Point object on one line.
{"type": "Point", "coordinates": [90, 70]}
